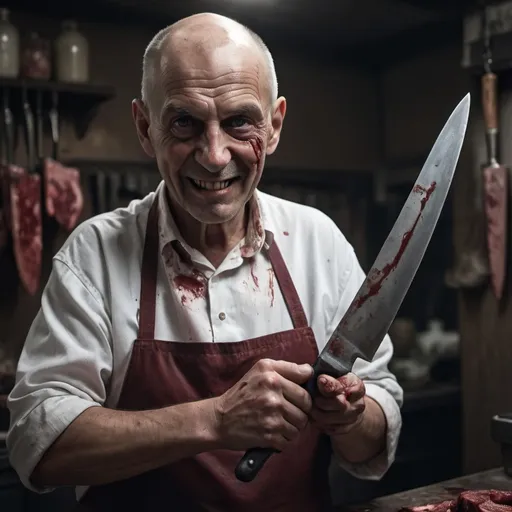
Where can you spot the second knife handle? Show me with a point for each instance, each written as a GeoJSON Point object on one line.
{"type": "Point", "coordinates": [489, 100]}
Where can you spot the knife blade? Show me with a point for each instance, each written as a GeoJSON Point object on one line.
{"type": "Point", "coordinates": [373, 309]}
{"type": "Point", "coordinates": [9, 127]}
{"type": "Point", "coordinates": [29, 133]}
{"type": "Point", "coordinates": [39, 128]}
{"type": "Point", "coordinates": [53, 115]}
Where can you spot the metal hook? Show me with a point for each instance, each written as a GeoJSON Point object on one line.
{"type": "Point", "coordinates": [486, 32]}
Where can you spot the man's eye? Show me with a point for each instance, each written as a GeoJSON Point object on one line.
{"type": "Point", "coordinates": [237, 122]}
{"type": "Point", "coordinates": [184, 122]}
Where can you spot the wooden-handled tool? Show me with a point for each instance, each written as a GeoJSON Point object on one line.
{"type": "Point", "coordinates": [495, 178]}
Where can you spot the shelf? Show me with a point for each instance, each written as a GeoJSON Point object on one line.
{"type": "Point", "coordinates": [77, 103]}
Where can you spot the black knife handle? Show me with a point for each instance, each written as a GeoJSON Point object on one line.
{"type": "Point", "coordinates": [255, 458]}
{"type": "Point", "coordinates": [251, 463]}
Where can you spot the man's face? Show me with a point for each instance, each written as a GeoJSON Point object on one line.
{"type": "Point", "coordinates": [210, 128]}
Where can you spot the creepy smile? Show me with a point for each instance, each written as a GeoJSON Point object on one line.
{"type": "Point", "coordinates": [212, 186]}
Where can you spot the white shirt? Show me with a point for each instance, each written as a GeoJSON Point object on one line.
{"type": "Point", "coordinates": [79, 345]}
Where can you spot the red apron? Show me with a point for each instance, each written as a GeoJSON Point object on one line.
{"type": "Point", "coordinates": [163, 373]}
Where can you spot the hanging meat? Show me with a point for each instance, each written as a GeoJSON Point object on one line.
{"type": "Point", "coordinates": [22, 205]}
{"type": "Point", "coordinates": [6, 144]}
{"type": "Point", "coordinates": [64, 200]}
{"type": "Point", "coordinates": [26, 225]}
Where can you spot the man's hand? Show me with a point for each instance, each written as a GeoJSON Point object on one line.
{"type": "Point", "coordinates": [340, 404]}
{"type": "Point", "coordinates": [266, 408]}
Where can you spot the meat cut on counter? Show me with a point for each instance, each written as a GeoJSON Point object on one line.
{"type": "Point", "coordinates": [470, 501]}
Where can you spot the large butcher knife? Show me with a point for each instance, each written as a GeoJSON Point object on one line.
{"type": "Point", "coordinates": [376, 304]}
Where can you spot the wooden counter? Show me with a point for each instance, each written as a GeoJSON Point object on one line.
{"type": "Point", "coordinates": [493, 479]}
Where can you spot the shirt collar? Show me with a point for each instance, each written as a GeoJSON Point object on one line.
{"type": "Point", "coordinates": [259, 233]}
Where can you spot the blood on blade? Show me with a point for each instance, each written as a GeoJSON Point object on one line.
{"type": "Point", "coordinates": [379, 276]}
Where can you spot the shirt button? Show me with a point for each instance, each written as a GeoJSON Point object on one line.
{"type": "Point", "coordinates": [222, 316]}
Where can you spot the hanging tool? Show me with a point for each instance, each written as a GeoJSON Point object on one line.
{"type": "Point", "coordinates": [64, 198]}
{"type": "Point", "coordinates": [471, 267]}
{"type": "Point", "coordinates": [495, 175]}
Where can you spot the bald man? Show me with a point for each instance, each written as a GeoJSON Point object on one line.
{"type": "Point", "coordinates": [176, 333]}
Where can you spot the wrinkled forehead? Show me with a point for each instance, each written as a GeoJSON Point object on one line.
{"type": "Point", "coordinates": [212, 66]}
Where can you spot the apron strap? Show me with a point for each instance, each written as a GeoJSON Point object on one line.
{"type": "Point", "coordinates": [290, 295]}
{"type": "Point", "coordinates": [149, 272]}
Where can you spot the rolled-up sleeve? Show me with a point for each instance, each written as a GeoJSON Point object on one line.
{"type": "Point", "coordinates": [381, 385]}
{"type": "Point", "coordinates": [63, 369]}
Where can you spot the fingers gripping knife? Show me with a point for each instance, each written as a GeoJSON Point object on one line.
{"type": "Point", "coordinates": [376, 304]}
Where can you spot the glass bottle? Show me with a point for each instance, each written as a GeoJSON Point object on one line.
{"type": "Point", "coordinates": [36, 58]}
{"type": "Point", "coordinates": [72, 54]}
{"type": "Point", "coordinates": [9, 46]}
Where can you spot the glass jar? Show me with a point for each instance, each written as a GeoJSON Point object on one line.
{"type": "Point", "coordinates": [9, 46]}
{"type": "Point", "coordinates": [36, 58]}
{"type": "Point", "coordinates": [72, 54]}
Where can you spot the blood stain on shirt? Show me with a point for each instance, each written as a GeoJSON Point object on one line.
{"type": "Point", "coordinates": [271, 285]}
{"type": "Point", "coordinates": [253, 273]}
{"type": "Point", "coordinates": [192, 287]}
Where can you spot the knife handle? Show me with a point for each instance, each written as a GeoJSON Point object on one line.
{"type": "Point", "coordinates": [254, 459]}
{"type": "Point", "coordinates": [251, 463]}
{"type": "Point", "coordinates": [489, 101]}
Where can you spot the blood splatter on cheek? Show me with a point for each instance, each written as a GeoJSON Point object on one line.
{"type": "Point", "coordinates": [257, 147]}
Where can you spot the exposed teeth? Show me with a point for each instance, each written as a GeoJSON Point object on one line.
{"type": "Point", "coordinates": [212, 185]}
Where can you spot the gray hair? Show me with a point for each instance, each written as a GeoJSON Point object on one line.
{"type": "Point", "coordinates": [152, 54]}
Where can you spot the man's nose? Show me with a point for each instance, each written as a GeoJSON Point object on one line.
{"type": "Point", "coordinates": [213, 153]}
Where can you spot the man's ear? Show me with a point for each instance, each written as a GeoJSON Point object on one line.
{"type": "Point", "coordinates": [277, 124]}
{"type": "Point", "coordinates": [140, 116]}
